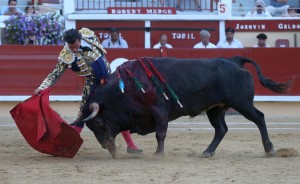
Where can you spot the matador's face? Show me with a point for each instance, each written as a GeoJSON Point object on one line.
{"type": "Point", "coordinates": [74, 47]}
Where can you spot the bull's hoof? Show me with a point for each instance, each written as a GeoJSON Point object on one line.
{"type": "Point", "coordinates": [159, 154]}
{"type": "Point", "coordinates": [271, 153]}
{"type": "Point", "coordinates": [207, 154]}
{"type": "Point", "coordinates": [113, 153]}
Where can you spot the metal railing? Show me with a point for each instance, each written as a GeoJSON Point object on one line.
{"type": "Point", "coordinates": [180, 5]}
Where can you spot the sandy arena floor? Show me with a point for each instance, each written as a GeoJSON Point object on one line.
{"type": "Point", "coordinates": [239, 158]}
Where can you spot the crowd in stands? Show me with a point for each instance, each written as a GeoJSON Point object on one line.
{"type": "Point", "coordinates": [275, 8]}
{"type": "Point", "coordinates": [29, 8]}
{"type": "Point", "coordinates": [23, 27]}
{"type": "Point", "coordinates": [260, 9]}
{"type": "Point", "coordinates": [115, 41]}
{"type": "Point", "coordinates": [12, 9]}
{"type": "Point", "coordinates": [228, 42]}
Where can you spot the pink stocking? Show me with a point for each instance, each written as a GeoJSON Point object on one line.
{"type": "Point", "coordinates": [128, 139]}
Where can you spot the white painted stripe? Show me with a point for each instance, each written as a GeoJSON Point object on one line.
{"type": "Point", "coordinates": [197, 129]}
{"type": "Point", "coordinates": [51, 98]}
{"type": "Point", "coordinates": [235, 123]}
{"type": "Point", "coordinates": [277, 98]}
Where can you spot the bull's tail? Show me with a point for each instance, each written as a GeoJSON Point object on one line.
{"type": "Point", "coordinates": [266, 82]}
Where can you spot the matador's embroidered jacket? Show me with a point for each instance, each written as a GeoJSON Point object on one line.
{"type": "Point", "coordinates": [81, 62]}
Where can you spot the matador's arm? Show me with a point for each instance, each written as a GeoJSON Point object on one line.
{"type": "Point", "coordinates": [54, 75]}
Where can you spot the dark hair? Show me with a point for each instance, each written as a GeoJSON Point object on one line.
{"type": "Point", "coordinates": [113, 30]}
{"type": "Point", "coordinates": [261, 36]}
{"type": "Point", "coordinates": [229, 29]}
{"type": "Point", "coordinates": [27, 7]}
{"type": "Point", "coordinates": [71, 35]}
{"type": "Point", "coordinates": [11, 0]}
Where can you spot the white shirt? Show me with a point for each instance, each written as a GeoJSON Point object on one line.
{"type": "Point", "coordinates": [234, 44]}
{"type": "Point", "coordinates": [256, 45]}
{"type": "Point", "coordinates": [121, 43]}
{"type": "Point", "coordinates": [208, 46]}
{"type": "Point", "coordinates": [158, 45]}
{"type": "Point", "coordinates": [255, 14]}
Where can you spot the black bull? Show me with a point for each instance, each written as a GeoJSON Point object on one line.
{"type": "Point", "coordinates": [211, 85]}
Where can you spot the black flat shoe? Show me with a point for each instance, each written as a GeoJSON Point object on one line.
{"type": "Point", "coordinates": [134, 151]}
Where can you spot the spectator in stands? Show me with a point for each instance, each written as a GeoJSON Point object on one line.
{"type": "Point", "coordinates": [230, 41]}
{"type": "Point", "coordinates": [163, 42]}
{"type": "Point", "coordinates": [114, 40]}
{"type": "Point", "coordinates": [261, 41]}
{"type": "Point", "coordinates": [278, 7]}
{"type": "Point", "coordinates": [31, 40]}
{"type": "Point", "coordinates": [30, 10]}
{"type": "Point", "coordinates": [11, 8]}
{"type": "Point", "coordinates": [259, 10]}
{"type": "Point", "coordinates": [204, 36]}
{"type": "Point", "coordinates": [84, 55]}
{"type": "Point", "coordinates": [291, 12]}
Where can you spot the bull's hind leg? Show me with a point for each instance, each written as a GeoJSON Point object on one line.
{"type": "Point", "coordinates": [216, 117]}
{"type": "Point", "coordinates": [252, 114]}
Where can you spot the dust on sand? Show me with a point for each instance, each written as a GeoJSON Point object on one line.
{"type": "Point", "coordinates": [240, 158]}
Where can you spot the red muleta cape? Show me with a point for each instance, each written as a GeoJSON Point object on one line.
{"type": "Point", "coordinates": [44, 129]}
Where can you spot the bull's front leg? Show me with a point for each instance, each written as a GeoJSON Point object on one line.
{"type": "Point", "coordinates": [107, 142]}
{"type": "Point", "coordinates": [104, 136]}
{"type": "Point", "coordinates": [111, 146]}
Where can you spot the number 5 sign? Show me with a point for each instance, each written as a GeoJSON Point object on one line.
{"type": "Point", "coordinates": [224, 7]}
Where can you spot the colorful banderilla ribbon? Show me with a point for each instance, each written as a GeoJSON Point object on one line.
{"type": "Point", "coordinates": [121, 83]}
{"type": "Point", "coordinates": [136, 81]}
{"type": "Point", "coordinates": [161, 78]}
{"type": "Point", "coordinates": [152, 77]}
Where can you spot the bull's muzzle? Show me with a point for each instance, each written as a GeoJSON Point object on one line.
{"type": "Point", "coordinates": [94, 107]}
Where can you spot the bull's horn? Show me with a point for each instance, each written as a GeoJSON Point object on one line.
{"type": "Point", "coordinates": [95, 108]}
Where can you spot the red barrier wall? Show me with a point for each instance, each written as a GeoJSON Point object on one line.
{"type": "Point", "coordinates": [24, 67]}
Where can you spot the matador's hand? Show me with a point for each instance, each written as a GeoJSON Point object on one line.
{"type": "Point", "coordinates": [36, 92]}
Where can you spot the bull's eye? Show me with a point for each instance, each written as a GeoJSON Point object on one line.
{"type": "Point", "coordinates": [98, 122]}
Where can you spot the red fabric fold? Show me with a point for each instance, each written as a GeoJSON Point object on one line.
{"type": "Point", "coordinates": [44, 129]}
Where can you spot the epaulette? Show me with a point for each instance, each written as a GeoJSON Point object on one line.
{"type": "Point", "coordinates": [85, 32]}
{"type": "Point", "coordinates": [95, 43]}
{"type": "Point", "coordinates": [66, 56]}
